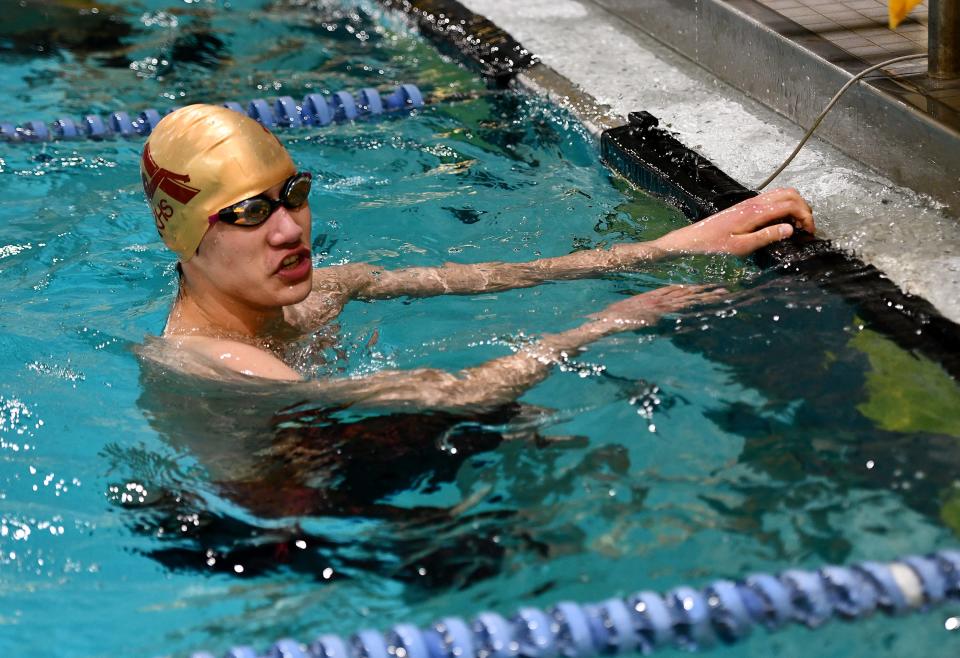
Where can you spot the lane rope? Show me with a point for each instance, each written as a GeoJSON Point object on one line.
{"type": "Point", "coordinates": [282, 112]}
{"type": "Point", "coordinates": [724, 612]}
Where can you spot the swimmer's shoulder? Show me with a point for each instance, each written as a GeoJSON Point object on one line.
{"type": "Point", "coordinates": [211, 357]}
{"type": "Point", "coordinates": [333, 287]}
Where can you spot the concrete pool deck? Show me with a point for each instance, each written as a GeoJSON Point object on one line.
{"type": "Point", "coordinates": [792, 55]}
{"type": "Point", "coordinates": [911, 235]}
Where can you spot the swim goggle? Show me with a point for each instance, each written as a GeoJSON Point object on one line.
{"type": "Point", "coordinates": [256, 210]}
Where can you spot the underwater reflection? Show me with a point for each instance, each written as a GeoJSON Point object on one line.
{"type": "Point", "coordinates": [847, 406]}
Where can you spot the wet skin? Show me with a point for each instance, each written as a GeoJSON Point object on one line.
{"type": "Point", "coordinates": [248, 289]}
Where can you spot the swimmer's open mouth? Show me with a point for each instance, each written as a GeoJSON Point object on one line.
{"type": "Point", "coordinates": [295, 264]}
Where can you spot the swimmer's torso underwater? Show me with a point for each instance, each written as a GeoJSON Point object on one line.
{"type": "Point", "coordinates": [276, 466]}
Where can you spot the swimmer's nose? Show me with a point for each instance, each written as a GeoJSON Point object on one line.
{"type": "Point", "coordinates": [283, 228]}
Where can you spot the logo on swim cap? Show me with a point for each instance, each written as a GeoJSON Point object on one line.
{"type": "Point", "coordinates": [172, 184]}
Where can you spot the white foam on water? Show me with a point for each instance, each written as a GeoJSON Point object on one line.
{"type": "Point", "coordinates": [905, 234]}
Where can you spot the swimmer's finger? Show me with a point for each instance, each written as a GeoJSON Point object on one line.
{"type": "Point", "coordinates": [687, 288]}
{"type": "Point", "coordinates": [799, 211]}
{"type": "Point", "coordinates": [805, 221]}
{"type": "Point", "coordinates": [767, 211]}
{"type": "Point", "coordinates": [685, 296]}
{"type": "Point", "coordinates": [676, 296]}
{"type": "Point", "coordinates": [713, 291]}
{"type": "Point", "coordinates": [747, 243]}
{"type": "Point", "coordinates": [694, 291]}
{"type": "Point", "coordinates": [802, 214]}
{"type": "Point", "coordinates": [779, 204]}
{"type": "Point", "coordinates": [713, 295]}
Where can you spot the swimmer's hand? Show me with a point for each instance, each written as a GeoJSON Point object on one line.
{"type": "Point", "coordinates": [742, 229]}
{"type": "Point", "coordinates": [647, 308]}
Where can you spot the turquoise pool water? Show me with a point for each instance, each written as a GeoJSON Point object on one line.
{"type": "Point", "coordinates": [141, 514]}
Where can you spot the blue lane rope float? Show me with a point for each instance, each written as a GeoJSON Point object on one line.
{"type": "Point", "coordinates": [283, 112]}
{"type": "Point", "coordinates": [722, 612]}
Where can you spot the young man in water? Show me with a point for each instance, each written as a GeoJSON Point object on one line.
{"type": "Point", "coordinates": [229, 201]}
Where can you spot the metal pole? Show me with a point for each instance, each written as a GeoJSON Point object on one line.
{"type": "Point", "coordinates": [943, 41]}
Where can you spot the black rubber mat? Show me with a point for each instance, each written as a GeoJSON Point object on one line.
{"type": "Point", "coordinates": [469, 37]}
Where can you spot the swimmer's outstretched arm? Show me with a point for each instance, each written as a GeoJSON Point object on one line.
{"type": "Point", "coordinates": [503, 380]}
{"type": "Point", "coordinates": [484, 387]}
{"type": "Point", "coordinates": [739, 230]}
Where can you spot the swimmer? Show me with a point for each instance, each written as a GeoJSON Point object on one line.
{"type": "Point", "coordinates": [229, 201]}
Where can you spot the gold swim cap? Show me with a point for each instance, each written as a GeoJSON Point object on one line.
{"type": "Point", "coordinates": [203, 158]}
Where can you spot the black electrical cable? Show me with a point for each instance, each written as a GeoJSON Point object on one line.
{"type": "Point", "coordinates": [833, 101]}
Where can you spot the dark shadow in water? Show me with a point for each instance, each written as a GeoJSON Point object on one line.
{"type": "Point", "coordinates": [43, 29]}
{"type": "Point", "coordinates": [267, 473]}
{"type": "Point", "coordinates": [104, 33]}
{"type": "Point", "coordinates": [812, 436]}
{"type": "Point", "coordinates": [199, 46]}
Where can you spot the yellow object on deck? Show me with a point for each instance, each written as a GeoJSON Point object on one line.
{"type": "Point", "coordinates": [898, 10]}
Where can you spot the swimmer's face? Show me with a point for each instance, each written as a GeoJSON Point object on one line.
{"type": "Point", "coordinates": [264, 266]}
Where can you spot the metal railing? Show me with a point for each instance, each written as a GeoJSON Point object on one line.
{"type": "Point", "coordinates": [943, 40]}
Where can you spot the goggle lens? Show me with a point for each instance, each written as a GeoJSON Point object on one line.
{"type": "Point", "coordinates": [296, 191]}
{"type": "Point", "coordinates": [251, 212]}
